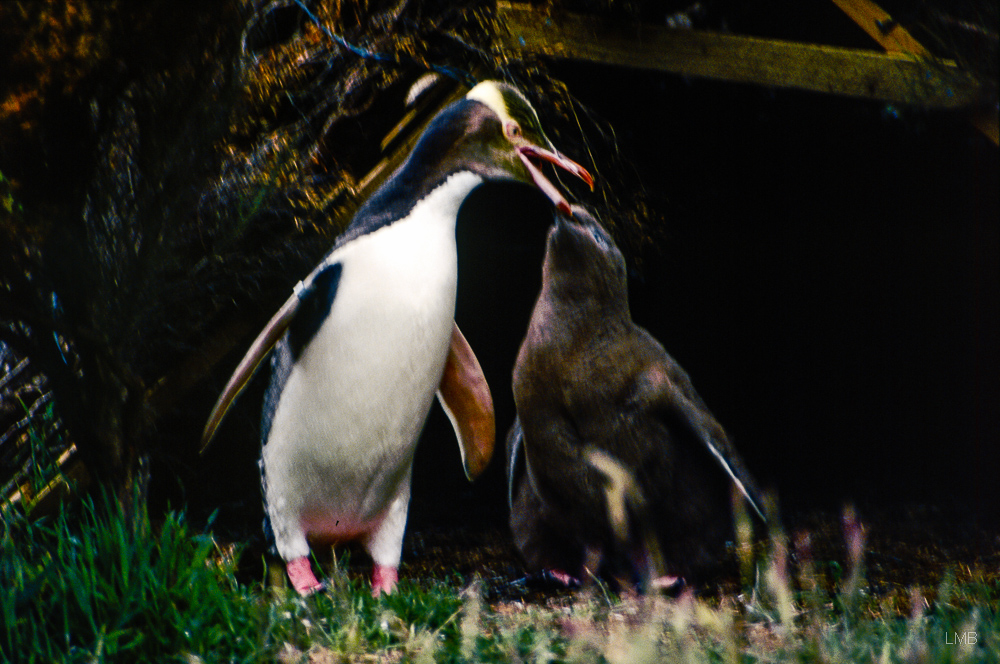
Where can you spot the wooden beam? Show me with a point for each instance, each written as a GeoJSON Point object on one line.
{"type": "Point", "coordinates": [890, 77]}
{"type": "Point", "coordinates": [71, 480]}
{"type": "Point", "coordinates": [896, 39]}
{"type": "Point", "coordinates": [881, 27]}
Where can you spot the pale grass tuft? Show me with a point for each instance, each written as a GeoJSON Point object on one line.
{"type": "Point", "coordinates": [471, 625]}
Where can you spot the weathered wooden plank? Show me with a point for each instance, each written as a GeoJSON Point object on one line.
{"type": "Point", "coordinates": [72, 480]}
{"type": "Point", "coordinates": [891, 77]}
{"type": "Point", "coordinates": [895, 38]}
{"type": "Point", "coordinates": [881, 27]}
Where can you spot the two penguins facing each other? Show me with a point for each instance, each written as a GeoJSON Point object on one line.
{"type": "Point", "coordinates": [615, 465]}
{"type": "Point", "coordinates": [367, 339]}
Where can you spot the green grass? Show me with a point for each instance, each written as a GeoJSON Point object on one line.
{"type": "Point", "coordinates": [94, 585]}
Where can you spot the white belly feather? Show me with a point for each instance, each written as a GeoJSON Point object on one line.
{"type": "Point", "coordinates": [342, 439]}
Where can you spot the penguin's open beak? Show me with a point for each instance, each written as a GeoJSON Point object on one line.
{"type": "Point", "coordinates": [525, 152]}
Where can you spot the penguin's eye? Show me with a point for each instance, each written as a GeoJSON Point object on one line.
{"type": "Point", "coordinates": [512, 130]}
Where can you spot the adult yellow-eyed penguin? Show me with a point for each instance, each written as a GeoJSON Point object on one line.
{"type": "Point", "coordinates": [368, 338]}
{"type": "Point", "coordinates": [590, 384]}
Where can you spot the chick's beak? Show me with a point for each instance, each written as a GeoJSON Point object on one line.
{"type": "Point", "coordinates": [526, 152]}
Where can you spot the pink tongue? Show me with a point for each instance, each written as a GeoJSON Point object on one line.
{"type": "Point", "coordinates": [547, 187]}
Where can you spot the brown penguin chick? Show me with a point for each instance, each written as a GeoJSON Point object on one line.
{"type": "Point", "coordinates": [588, 378]}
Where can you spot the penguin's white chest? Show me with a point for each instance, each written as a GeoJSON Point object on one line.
{"type": "Point", "coordinates": [342, 439]}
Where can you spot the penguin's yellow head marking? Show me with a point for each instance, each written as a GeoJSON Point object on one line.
{"type": "Point", "coordinates": [520, 120]}
{"type": "Point", "coordinates": [488, 92]}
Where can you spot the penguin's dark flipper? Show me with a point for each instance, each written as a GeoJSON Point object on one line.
{"type": "Point", "coordinates": [466, 399]}
{"type": "Point", "coordinates": [316, 291]}
{"type": "Point", "coordinates": [672, 395]}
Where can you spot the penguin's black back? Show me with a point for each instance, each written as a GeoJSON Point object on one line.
{"type": "Point", "coordinates": [439, 152]}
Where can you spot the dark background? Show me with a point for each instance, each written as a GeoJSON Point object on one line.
{"type": "Point", "coordinates": [826, 269]}
{"type": "Point", "coordinates": [827, 273]}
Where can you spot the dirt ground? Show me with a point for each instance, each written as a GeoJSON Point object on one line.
{"type": "Point", "coordinates": [906, 548]}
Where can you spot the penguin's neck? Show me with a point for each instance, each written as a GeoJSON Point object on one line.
{"type": "Point", "coordinates": [423, 238]}
{"type": "Point", "coordinates": [447, 197]}
{"type": "Point", "coordinates": [585, 292]}
{"type": "Point", "coordinates": [581, 313]}
{"type": "Point", "coordinates": [408, 188]}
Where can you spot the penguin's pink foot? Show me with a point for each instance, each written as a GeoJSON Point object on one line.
{"type": "Point", "coordinates": [384, 580]}
{"type": "Point", "coordinates": [666, 582]}
{"type": "Point", "coordinates": [301, 575]}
